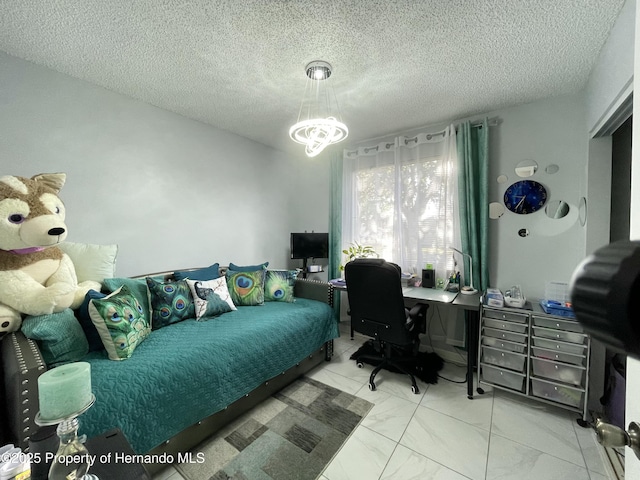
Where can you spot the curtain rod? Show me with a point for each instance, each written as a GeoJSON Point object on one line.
{"type": "Point", "coordinates": [492, 122]}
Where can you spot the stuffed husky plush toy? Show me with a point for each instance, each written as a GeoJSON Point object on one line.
{"type": "Point", "coordinates": [36, 277]}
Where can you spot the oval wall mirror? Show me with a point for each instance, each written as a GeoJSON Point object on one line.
{"type": "Point", "coordinates": [526, 168]}
{"type": "Point", "coordinates": [551, 169]}
{"type": "Point", "coordinates": [557, 209]}
{"type": "Point", "coordinates": [582, 211]}
{"type": "Point", "coordinates": [496, 210]}
{"type": "Point", "coordinates": [502, 178]}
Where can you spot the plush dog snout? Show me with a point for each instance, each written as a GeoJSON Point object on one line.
{"type": "Point", "coordinates": [41, 231]}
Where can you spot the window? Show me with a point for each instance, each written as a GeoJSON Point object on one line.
{"type": "Point", "coordinates": [403, 202]}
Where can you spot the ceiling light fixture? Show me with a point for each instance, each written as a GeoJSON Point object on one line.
{"type": "Point", "coordinates": [319, 123]}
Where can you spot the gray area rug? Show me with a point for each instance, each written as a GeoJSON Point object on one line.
{"type": "Point", "coordinates": [292, 435]}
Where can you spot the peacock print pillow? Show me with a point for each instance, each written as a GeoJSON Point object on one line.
{"type": "Point", "coordinates": [278, 285]}
{"type": "Point", "coordinates": [169, 302]}
{"type": "Point", "coordinates": [210, 297]}
{"type": "Point", "coordinates": [246, 288]}
{"type": "Point", "coordinates": [120, 321]}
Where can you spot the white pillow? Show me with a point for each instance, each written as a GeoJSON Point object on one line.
{"type": "Point", "coordinates": [92, 262]}
{"type": "Point", "coordinates": [205, 302]}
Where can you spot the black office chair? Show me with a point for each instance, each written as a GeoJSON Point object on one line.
{"type": "Point", "coordinates": [376, 304]}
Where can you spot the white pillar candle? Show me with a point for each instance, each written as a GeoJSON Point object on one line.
{"type": "Point", "coordinates": [64, 390]}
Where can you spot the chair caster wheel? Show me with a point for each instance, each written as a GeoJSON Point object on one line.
{"type": "Point", "coordinates": [415, 389]}
{"type": "Point", "coordinates": [360, 364]}
{"type": "Point", "coordinates": [372, 386]}
{"type": "Point", "coordinates": [480, 390]}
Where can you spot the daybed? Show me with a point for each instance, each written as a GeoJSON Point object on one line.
{"type": "Point", "coordinates": [187, 379]}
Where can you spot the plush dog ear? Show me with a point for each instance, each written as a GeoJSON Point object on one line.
{"type": "Point", "coordinates": [54, 181]}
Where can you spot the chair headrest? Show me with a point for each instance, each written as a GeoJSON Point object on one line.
{"type": "Point", "coordinates": [369, 261]}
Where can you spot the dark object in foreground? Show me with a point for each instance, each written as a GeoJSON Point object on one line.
{"type": "Point", "coordinates": [604, 295]}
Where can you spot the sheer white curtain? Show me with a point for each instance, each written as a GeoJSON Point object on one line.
{"type": "Point", "coordinates": [401, 197]}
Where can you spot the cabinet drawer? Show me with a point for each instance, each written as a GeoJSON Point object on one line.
{"type": "Point", "coordinates": [559, 356]}
{"type": "Point", "coordinates": [510, 360]}
{"type": "Point", "coordinates": [510, 336]}
{"type": "Point", "coordinates": [564, 347]}
{"type": "Point", "coordinates": [503, 377]}
{"type": "Point", "coordinates": [504, 325]}
{"type": "Point", "coordinates": [567, 325]}
{"type": "Point", "coordinates": [572, 337]}
{"type": "Point", "coordinates": [509, 316]}
{"type": "Point", "coordinates": [558, 371]}
{"type": "Point", "coordinates": [504, 344]}
{"type": "Point", "coordinates": [558, 393]}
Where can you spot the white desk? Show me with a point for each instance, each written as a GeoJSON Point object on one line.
{"type": "Point", "coordinates": [429, 294]}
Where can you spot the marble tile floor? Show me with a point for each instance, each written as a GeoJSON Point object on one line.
{"type": "Point", "coordinates": [439, 434]}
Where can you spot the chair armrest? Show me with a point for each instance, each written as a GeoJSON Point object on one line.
{"type": "Point", "coordinates": [417, 316]}
{"type": "Point", "coordinates": [22, 364]}
{"type": "Point", "coordinates": [314, 290]}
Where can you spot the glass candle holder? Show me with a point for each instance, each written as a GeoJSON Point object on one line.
{"type": "Point", "coordinates": [72, 457]}
{"type": "Point", "coordinates": [71, 461]}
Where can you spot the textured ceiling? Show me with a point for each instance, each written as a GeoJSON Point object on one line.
{"type": "Point", "coordinates": [239, 65]}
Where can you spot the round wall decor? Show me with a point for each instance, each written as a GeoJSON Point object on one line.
{"type": "Point", "coordinates": [525, 196]}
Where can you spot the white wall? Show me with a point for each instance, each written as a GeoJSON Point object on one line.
{"type": "Point", "coordinates": [550, 131]}
{"type": "Point", "coordinates": [309, 208]}
{"type": "Point", "coordinates": [611, 80]}
{"type": "Point", "coordinates": [170, 191]}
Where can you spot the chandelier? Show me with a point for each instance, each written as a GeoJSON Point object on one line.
{"type": "Point", "coordinates": [319, 123]}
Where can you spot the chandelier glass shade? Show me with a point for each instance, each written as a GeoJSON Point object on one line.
{"type": "Point", "coordinates": [319, 123]}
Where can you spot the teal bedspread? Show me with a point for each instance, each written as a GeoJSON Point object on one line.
{"type": "Point", "coordinates": [187, 371]}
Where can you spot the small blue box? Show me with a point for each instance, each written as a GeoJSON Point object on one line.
{"type": "Point", "coordinates": [556, 308]}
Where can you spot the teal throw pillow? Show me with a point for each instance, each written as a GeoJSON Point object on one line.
{"type": "Point", "coordinates": [246, 288]}
{"type": "Point", "coordinates": [170, 302]}
{"type": "Point", "coordinates": [120, 321]}
{"type": "Point", "coordinates": [82, 314]}
{"type": "Point", "coordinates": [208, 273]}
{"type": "Point", "coordinates": [211, 297]}
{"type": "Point", "coordinates": [59, 336]}
{"type": "Point", "coordinates": [248, 268]}
{"type": "Point", "coordinates": [278, 285]}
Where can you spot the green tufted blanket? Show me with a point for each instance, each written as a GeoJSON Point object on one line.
{"type": "Point", "coordinates": [187, 371]}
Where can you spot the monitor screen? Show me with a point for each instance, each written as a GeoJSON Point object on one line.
{"type": "Point", "coordinates": [309, 245]}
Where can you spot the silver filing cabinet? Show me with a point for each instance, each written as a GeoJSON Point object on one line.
{"type": "Point", "coordinates": [532, 353]}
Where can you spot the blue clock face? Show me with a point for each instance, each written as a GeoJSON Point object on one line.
{"type": "Point", "coordinates": [525, 196]}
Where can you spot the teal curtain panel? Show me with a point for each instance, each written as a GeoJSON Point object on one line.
{"type": "Point", "coordinates": [473, 195]}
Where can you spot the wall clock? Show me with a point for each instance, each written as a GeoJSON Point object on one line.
{"type": "Point", "coordinates": [525, 196]}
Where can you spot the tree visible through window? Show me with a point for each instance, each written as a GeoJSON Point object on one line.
{"type": "Point", "coordinates": [404, 205]}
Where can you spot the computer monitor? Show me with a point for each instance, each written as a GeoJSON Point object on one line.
{"type": "Point", "coordinates": [309, 245]}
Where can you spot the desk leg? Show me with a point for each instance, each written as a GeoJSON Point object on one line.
{"type": "Point", "coordinates": [472, 318]}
